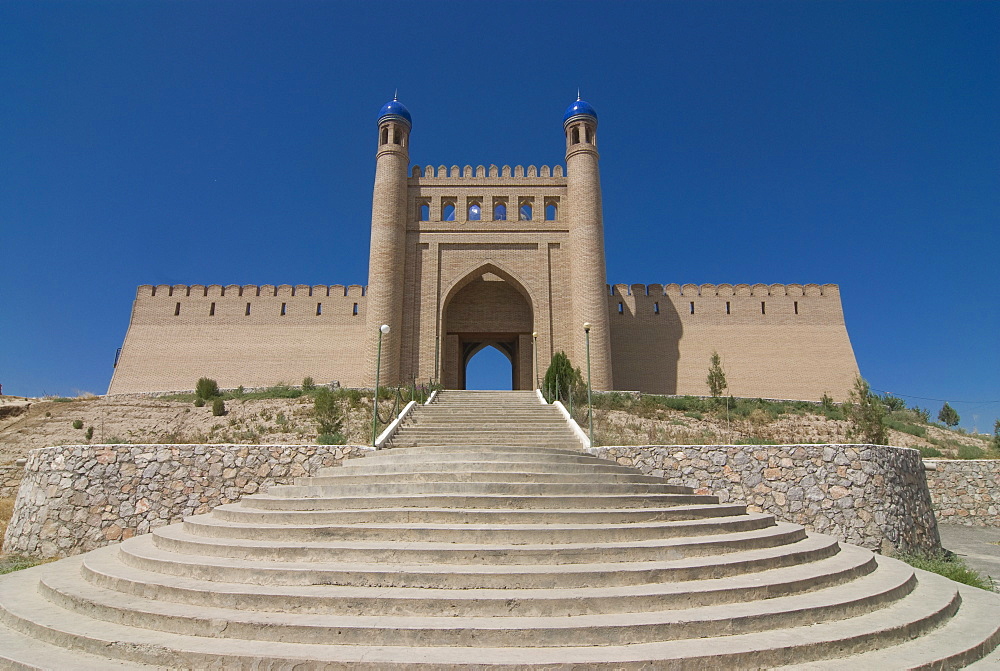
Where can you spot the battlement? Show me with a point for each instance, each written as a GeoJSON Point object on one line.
{"type": "Point", "coordinates": [249, 290]}
{"type": "Point", "coordinates": [482, 172]}
{"type": "Point", "coordinates": [724, 290]}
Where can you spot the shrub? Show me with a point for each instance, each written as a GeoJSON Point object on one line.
{"type": "Point", "coordinates": [969, 452]}
{"type": "Point", "coordinates": [77, 423]}
{"type": "Point", "coordinates": [996, 435]}
{"type": "Point", "coordinates": [327, 412]}
{"type": "Point", "coordinates": [827, 401]}
{"type": "Point", "coordinates": [206, 388]}
{"type": "Point", "coordinates": [90, 432]}
{"type": "Point", "coordinates": [922, 414]}
{"type": "Point", "coordinates": [218, 407]}
{"type": "Point", "coordinates": [929, 452]}
{"type": "Point", "coordinates": [866, 414]}
{"type": "Point", "coordinates": [330, 439]}
{"type": "Point", "coordinates": [948, 416]}
{"type": "Point", "coordinates": [716, 376]}
{"type": "Point", "coordinates": [199, 402]}
{"type": "Point", "coordinates": [893, 403]}
{"type": "Point", "coordinates": [308, 385]}
{"type": "Point", "coordinates": [561, 379]}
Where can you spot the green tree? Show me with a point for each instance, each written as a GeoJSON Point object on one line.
{"type": "Point", "coordinates": [308, 384]}
{"type": "Point", "coordinates": [218, 407]}
{"type": "Point", "coordinates": [866, 413]}
{"type": "Point", "coordinates": [561, 379]}
{"type": "Point", "coordinates": [948, 416]}
{"type": "Point", "coordinates": [996, 435]}
{"type": "Point", "coordinates": [716, 376]}
{"type": "Point", "coordinates": [329, 420]}
{"type": "Point", "coordinates": [207, 388]}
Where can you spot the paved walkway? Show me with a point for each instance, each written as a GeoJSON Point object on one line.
{"type": "Point", "coordinates": [976, 545]}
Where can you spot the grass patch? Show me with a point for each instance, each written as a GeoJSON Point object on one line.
{"type": "Point", "coordinates": [11, 563]}
{"type": "Point", "coordinates": [929, 452]}
{"type": "Point", "coordinates": [970, 452]}
{"type": "Point", "coordinates": [906, 427]}
{"type": "Point", "coordinates": [951, 567]}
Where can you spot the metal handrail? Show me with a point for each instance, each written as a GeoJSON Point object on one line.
{"type": "Point", "coordinates": [399, 400]}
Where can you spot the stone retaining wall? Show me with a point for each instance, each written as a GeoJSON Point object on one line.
{"type": "Point", "coordinates": [867, 495]}
{"type": "Point", "coordinates": [10, 479]}
{"type": "Point", "coordinates": [965, 491]}
{"type": "Point", "coordinates": [75, 498]}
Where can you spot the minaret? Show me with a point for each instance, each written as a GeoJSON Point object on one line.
{"type": "Point", "coordinates": [588, 273]}
{"type": "Point", "coordinates": [387, 256]}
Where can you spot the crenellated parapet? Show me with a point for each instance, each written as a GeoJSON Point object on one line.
{"type": "Point", "coordinates": [486, 172]}
{"type": "Point", "coordinates": [724, 290]}
{"type": "Point", "coordinates": [200, 305]}
{"type": "Point", "coordinates": [248, 291]}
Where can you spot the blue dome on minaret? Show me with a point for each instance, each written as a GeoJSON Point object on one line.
{"type": "Point", "coordinates": [395, 109]}
{"type": "Point", "coordinates": [579, 108]}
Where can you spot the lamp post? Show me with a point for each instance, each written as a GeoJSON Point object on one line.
{"type": "Point", "coordinates": [534, 347]}
{"type": "Point", "coordinates": [590, 403]}
{"type": "Point", "coordinates": [382, 330]}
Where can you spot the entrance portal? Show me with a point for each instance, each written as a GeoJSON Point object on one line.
{"type": "Point", "coordinates": [487, 309]}
{"type": "Point", "coordinates": [490, 365]}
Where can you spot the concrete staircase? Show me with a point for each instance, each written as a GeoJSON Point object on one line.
{"type": "Point", "coordinates": [487, 539]}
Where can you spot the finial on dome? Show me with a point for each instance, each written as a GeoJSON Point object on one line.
{"type": "Point", "coordinates": [578, 93]}
{"type": "Point", "coordinates": [395, 95]}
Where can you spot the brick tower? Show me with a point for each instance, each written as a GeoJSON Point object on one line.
{"type": "Point", "coordinates": [586, 239]}
{"type": "Point", "coordinates": [387, 253]}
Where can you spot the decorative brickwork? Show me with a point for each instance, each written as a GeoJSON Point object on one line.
{"type": "Point", "coordinates": [463, 258]}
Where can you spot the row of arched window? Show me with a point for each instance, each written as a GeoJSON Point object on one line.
{"type": "Point", "coordinates": [475, 210]}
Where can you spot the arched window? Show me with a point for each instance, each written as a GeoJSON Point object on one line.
{"type": "Point", "coordinates": [576, 135]}
{"type": "Point", "coordinates": [525, 212]}
{"type": "Point", "coordinates": [448, 212]}
{"type": "Point", "coordinates": [385, 136]}
{"type": "Point", "coordinates": [550, 212]}
{"type": "Point", "coordinates": [425, 212]}
{"type": "Point", "coordinates": [500, 212]}
{"type": "Point", "coordinates": [475, 212]}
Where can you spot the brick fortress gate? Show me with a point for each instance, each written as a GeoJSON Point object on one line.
{"type": "Point", "coordinates": [464, 258]}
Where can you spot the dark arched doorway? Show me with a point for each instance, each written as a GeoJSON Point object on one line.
{"type": "Point", "coordinates": [488, 308]}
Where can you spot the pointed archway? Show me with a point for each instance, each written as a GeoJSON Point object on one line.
{"type": "Point", "coordinates": [487, 308]}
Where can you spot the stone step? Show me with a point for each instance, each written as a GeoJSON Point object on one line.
{"type": "Point", "coordinates": [375, 488]}
{"type": "Point", "coordinates": [142, 552]}
{"type": "Point", "coordinates": [929, 606]}
{"type": "Point", "coordinates": [103, 569]}
{"type": "Point", "coordinates": [479, 453]}
{"type": "Point", "coordinates": [239, 513]}
{"type": "Point", "coordinates": [482, 442]}
{"type": "Point", "coordinates": [869, 593]}
{"type": "Point", "coordinates": [490, 534]}
{"type": "Point", "coordinates": [475, 454]}
{"type": "Point", "coordinates": [476, 501]}
{"type": "Point", "coordinates": [345, 476]}
{"type": "Point", "coordinates": [176, 539]}
{"type": "Point", "coordinates": [966, 640]}
{"type": "Point", "coordinates": [389, 468]}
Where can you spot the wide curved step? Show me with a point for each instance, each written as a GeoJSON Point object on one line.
{"type": "Point", "coordinates": [141, 552]}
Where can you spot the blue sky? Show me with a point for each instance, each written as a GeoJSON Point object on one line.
{"type": "Point", "coordinates": [233, 142]}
